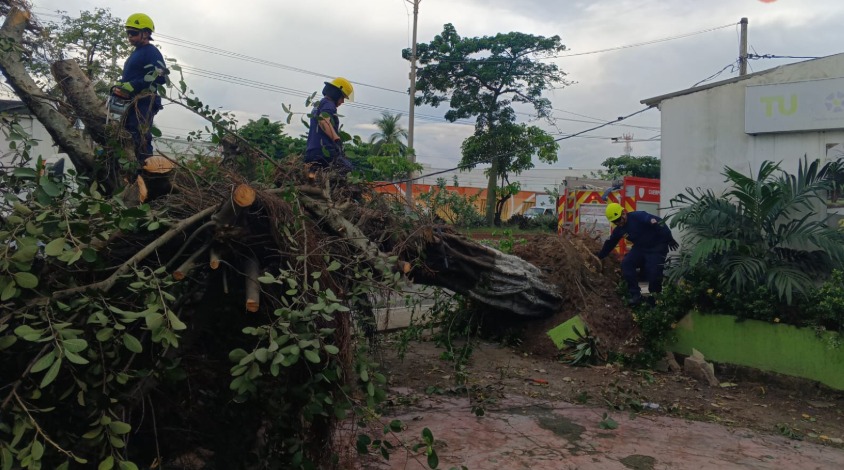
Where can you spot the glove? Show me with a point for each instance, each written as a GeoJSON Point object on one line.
{"type": "Point", "coordinates": [122, 90]}
{"type": "Point", "coordinates": [673, 245]}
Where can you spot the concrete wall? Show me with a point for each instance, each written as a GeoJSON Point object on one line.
{"type": "Point", "coordinates": [702, 132]}
{"type": "Point", "coordinates": [785, 349]}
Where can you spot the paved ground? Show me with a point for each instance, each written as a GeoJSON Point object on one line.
{"type": "Point", "coordinates": [524, 434]}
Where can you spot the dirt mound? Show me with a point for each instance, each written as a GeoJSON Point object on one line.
{"type": "Point", "coordinates": [588, 285]}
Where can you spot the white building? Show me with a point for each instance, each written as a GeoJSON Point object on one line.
{"type": "Point", "coordinates": [15, 110]}
{"type": "Point", "coordinates": [779, 115]}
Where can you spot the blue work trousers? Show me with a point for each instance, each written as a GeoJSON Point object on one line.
{"type": "Point", "coordinates": [139, 124]}
{"type": "Point", "coordinates": [335, 159]}
{"type": "Point", "coordinates": [651, 261]}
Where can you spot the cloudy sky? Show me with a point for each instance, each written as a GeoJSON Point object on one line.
{"type": "Point", "coordinates": [250, 56]}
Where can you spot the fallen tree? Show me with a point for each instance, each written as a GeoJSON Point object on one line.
{"type": "Point", "coordinates": [217, 320]}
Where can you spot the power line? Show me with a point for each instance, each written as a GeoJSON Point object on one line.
{"type": "Point", "coordinates": [489, 159]}
{"type": "Point", "coordinates": [599, 51]}
{"type": "Point", "coordinates": [771, 56]}
{"type": "Point", "coordinates": [731, 66]}
{"type": "Point", "coordinates": [235, 55]}
{"type": "Point", "coordinates": [620, 118]}
{"type": "Point", "coordinates": [645, 43]}
{"type": "Point", "coordinates": [290, 91]}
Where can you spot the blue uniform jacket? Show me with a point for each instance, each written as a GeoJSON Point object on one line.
{"type": "Point", "coordinates": [646, 232]}
{"type": "Point", "coordinates": [317, 139]}
{"type": "Point", "coordinates": [144, 61]}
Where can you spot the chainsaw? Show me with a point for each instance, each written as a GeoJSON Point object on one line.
{"type": "Point", "coordinates": [115, 108]}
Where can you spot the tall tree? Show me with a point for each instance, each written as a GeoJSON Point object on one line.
{"type": "Point", "coordinates": [388, 139]}
{"type": "Point", "coordinates": [514, 146]}
{"type": "Point", "coordinates": [96, 39]}
{"type": "Point", "coordinates": [483, 77]}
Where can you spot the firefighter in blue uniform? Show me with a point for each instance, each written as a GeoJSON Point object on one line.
{"type": "Point", "coordinates": [651, 240]}
{"type": "Point", "coordinates": [143, 71]}
{"type": "Point", "coordinates": [325, 147]}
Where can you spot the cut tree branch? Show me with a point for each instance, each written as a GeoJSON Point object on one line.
{"type": "Point", "coordinates": [67, 137]}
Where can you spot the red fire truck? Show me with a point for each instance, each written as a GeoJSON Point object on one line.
{"type": "Point", "coordinates": [582, 205]}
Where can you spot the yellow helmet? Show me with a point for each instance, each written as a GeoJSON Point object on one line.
{"type": "Point", "coordinates": [140, 21]}
{"type": "Point", "coordinates": [613, 211]}
{"type": "Point", "coordinates": [345, 87]}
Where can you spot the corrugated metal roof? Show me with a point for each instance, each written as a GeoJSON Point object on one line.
{"type": "Point", "coordinates": [12, 105]}
{"type": "Point", "coordinates": [658, 99]}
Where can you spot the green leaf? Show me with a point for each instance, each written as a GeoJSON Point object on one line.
{"type": "Point", "coordinates": [362, 444]}
{"type": "Point", "coordinates": [312, 356]}
{"type": "Point", "coordinates": [8, 292]}
{"type": "Point", "coordinates": [132, 343]}
{"type": "Point", "coordinates": [22, 172]}
{"type": "Point", "coordinates": [7, 341]}
{"type": "Point", "coordinates": [37, 451]}
{"type": "Point", "coordinates": [428, 436]}
{"type": "Point", "coordinates": [119, 427]}
{"type": "Point", "coordinates": [127, 465]}
{"type": "Point", "coordinates": [107, 463]}
{"type": "Point", "coordinates": [433, 460]}
{"type": "Point", "coordinates": [237, 354]}
{"type": "Point", "coordinates": [331, 349]}
{"type": "Point", "coordinates": [49, 187]}
{"type": "Point", "coordinates": [51, 374]}
{"type": "Point", "coordinates": [175, 322]}
{"type": "Point", "coordinates": [75, 358]}
{"type": "Point", "coordinates": [55, 247]}
{"type": "Point", "coordinates": [44, 362]}
{"type": "Point", "coordinates": [105, 334]}
{"type": "Point", "coordinates": [6, 457]}
{"type": "Point", "coordinates": [154, 321]}
{"type": "Point", "coordinates": [26, 280]}
{"type": "Point", "coordinates": [74, 345]}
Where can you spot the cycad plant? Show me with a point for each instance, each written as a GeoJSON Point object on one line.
{"type": "Point", "coordinates": [762, 231]}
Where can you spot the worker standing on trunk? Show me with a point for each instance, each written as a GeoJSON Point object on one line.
{"type": "Point", "coordinates": [325, 146]}
{"type": "Point", "coordinates": [651, 240]}
{"type": "Point", "coordinates": [143, 71]}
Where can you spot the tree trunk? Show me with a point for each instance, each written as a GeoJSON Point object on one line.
{"type": "Point", "coordinates": [59, 127]}
{"type": "Point", "coordinates": [79, 90]}
{"type": "Point", "coordinates": [502, 282]}
{"type": "Point", "coordinates": [491, 193]}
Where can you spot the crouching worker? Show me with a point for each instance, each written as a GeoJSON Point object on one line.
{"type": "Point", "coordinates": [325, 147]}
{"type": "Point", "coordinates": [143, 71]}
{"type": "Point", "coordinates": [651, 240]}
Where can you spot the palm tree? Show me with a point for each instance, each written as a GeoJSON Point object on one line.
{"type": "Point", "coordinates": [388, 139]}
{"type": "Point", "coordinates": [763, 231]}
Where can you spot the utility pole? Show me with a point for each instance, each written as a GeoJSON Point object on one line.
{"type": "Point", "coordinates": [743, 48]}
{"type": "Point", "coordinates": [408, 192]}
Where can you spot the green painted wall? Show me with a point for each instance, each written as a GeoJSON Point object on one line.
{"type": "Point", "coordinates": [784, 349]}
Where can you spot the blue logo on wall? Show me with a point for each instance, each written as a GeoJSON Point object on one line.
{"type": "Point", "coordinates": [835, 102]}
